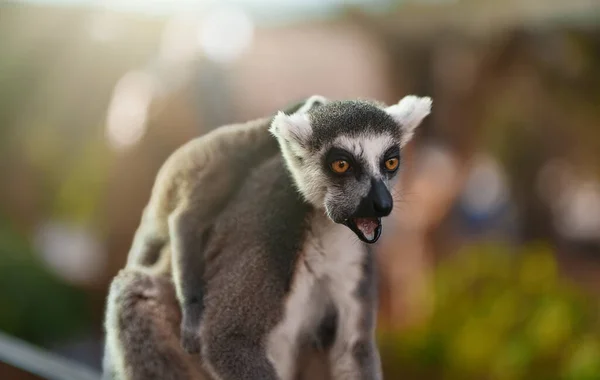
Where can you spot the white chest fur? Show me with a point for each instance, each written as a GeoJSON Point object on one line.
{"type": "Point", "coordinates": [328, 273]}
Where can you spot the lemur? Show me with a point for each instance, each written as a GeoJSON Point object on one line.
{"type": "Point", "coordinates": [288, 259]}
{"type": "Point", "coordinates": [190, 190]}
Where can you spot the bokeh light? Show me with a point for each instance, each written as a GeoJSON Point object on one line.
{"type": "Point", "coordinates": [72, 252]}
{"type": "Point", "coordinates": [225, 33]}
{"type": "Point", "coordinates": [486, 189]}
{"type": "Point", "coordinates": [128, 109]}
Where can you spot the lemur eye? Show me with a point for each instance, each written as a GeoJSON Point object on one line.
{"type": "Point", "coordinates": [391, 164]}
{"type": "Point", "coordinates": [340, 166]}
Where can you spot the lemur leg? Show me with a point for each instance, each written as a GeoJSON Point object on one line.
{"type": "Point", "coordinates": [142, 325]}
{"type": "Point", "coordinates": [185, 229]}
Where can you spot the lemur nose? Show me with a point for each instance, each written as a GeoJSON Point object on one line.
{"type": "Point", "coordinates": [383, 207]}
{"type": "Point", "coordinates": [382, 199]}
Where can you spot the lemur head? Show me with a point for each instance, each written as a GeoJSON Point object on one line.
{"type": "Point", "coordinates": [345, 155]}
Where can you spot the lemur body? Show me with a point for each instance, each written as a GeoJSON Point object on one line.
{"type": "Point", "coordinates": [295, 263]}
{"type": "Point", "coordinates": [288, 268]}
{"type": "Point", "coordinates": [190, 190]}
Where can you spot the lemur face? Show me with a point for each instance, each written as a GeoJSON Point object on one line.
{"type": "Point", "coordinates": [358, 172]}
{"type": "Point", "coordinates": [345, 155]}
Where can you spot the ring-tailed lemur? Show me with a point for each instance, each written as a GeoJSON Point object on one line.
{"type": "Point", "coordinates": [287, 259]}
{"type": "Point", "coordinates": [190, 190]}
{"type": "Point", "coordinates": [283, 269]}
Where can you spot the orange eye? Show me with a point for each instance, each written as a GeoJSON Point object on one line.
{"type": "Point", "coordinates": [340, 166]}
{"type": "Point", "coordinates": [391, 164]}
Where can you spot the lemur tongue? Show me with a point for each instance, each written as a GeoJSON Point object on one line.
{"type": "Point", "coordinates": [367, 226]}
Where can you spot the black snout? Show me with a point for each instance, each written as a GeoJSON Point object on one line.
{"type": "Point", "coordinates": [382, 199]}
{"type": "Point", "coordinates": [378, 203]}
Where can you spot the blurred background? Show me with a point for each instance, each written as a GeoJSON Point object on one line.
{"type": "Point", "coordinates": [491, 263]}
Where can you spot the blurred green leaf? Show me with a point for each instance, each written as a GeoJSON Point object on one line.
{"type": "Point", "coordinates": [502, 313]}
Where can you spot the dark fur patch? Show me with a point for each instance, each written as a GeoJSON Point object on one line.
{"type": "Point", "coordinates": [327, 330]}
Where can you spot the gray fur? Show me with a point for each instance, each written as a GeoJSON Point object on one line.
{"type": "Point", "coordinates": [249, 276]}
{"type": "Point", "coordinates": [142, 331]}
{"type": "Point", "coordinates": [191, 189]}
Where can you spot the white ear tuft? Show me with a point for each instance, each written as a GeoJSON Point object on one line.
{"type": "Point", "coordinates": [294, 128]}
{"type": "Point", "coordinates": [310, 103]}
{"type": "Point", "coordinates": [409, 112]}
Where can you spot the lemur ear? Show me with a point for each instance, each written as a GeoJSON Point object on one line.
{"type": "Point", "coordinates": [296, 127]}
{"type": "Point", "coordinates": [409, 112]}
{"type": "Point", "coordinates": [312, 102]}
{"type": "Point", "coordinates": [293, 128]}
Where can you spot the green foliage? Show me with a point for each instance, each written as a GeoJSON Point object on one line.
{"type": "Point", "coordinates": [34, 305]}
{"type": "Point", "coordinates": [79, 194]}
{"type": "Point", "coordinates": [500, 313]}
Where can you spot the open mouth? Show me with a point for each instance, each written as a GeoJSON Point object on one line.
{"type": "Point", "coordinates": [367, 229]}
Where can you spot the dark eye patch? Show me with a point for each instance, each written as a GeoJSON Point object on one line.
{"type": "Point", "coordinates": [335, 154]}
{"type": "Point", "coordinates": [392, 152]}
